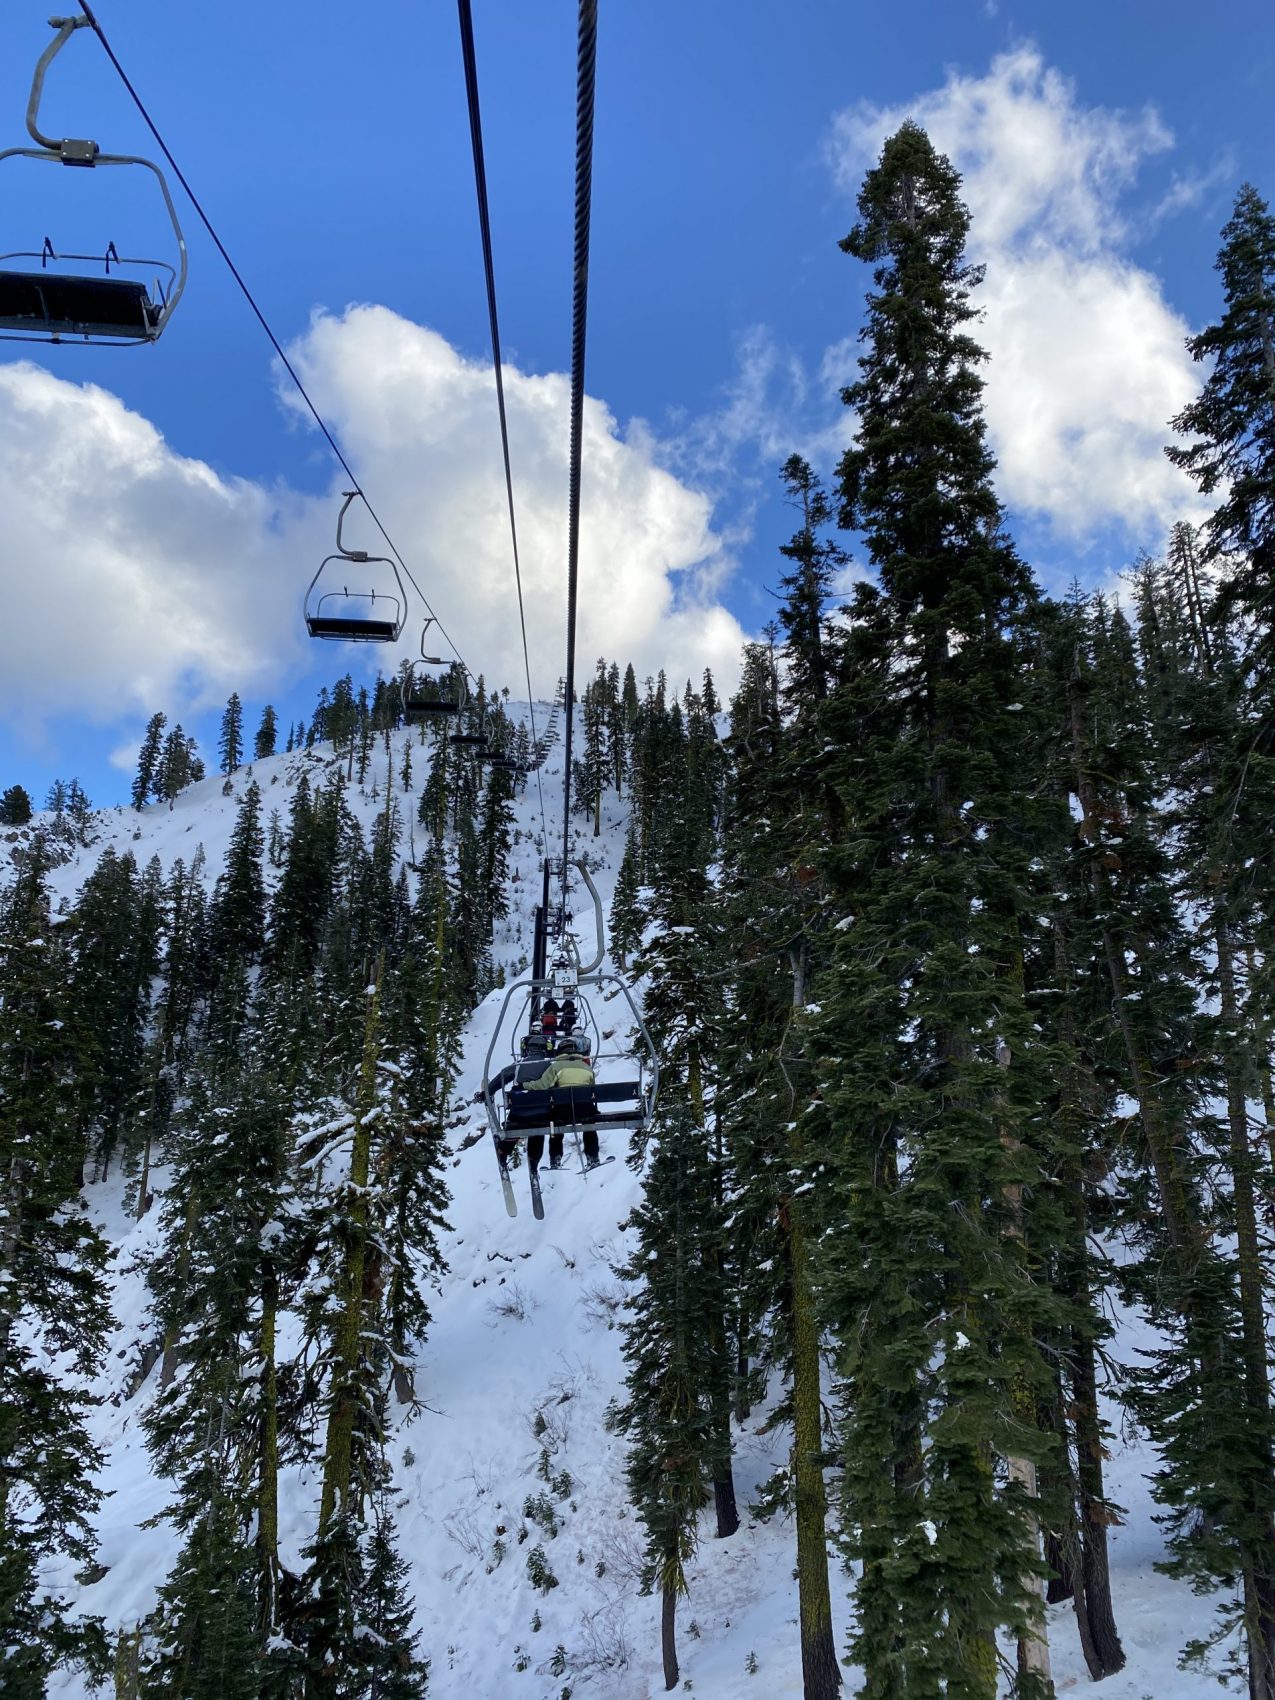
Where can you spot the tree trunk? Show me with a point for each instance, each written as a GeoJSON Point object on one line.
{"type": "Point", "coordinates": [268, 1463]}
{"type": "Point", "coordinates": [668, 1634]}
{"type": "Point", "coordinates": [743, 1409]}
{"type": "Point", "coordinates": [347, 1346]}
{"type": "Point", "coordinates": [1259, 1572]}
{"type": "Point", "coordinates": [168, 1368]}
{"type": "Point", "coordinates": [1033, 1642]}
{"type": "Point", "coordinates": [1255, 1015]}
{"type": "Point", "coordinates": [719, 1369]}
{"type": "Point", "coordinates": [821, 1675]}
{"type": "Point", "coordinates": [1090, 1574]}
{"type": "Point", "coordinates": [1096, 1618]}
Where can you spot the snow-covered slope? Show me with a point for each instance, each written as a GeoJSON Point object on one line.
{"type": "Point", "coordinates": [521, 1363]}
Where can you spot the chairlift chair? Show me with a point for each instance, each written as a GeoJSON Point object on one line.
{"type": "Point", "coordinates": [515, 1112]}
{"type": "Point", "coordinates": [45, 305]}
{"type": "Point", "coordinates": [352, 616]}
{"type": "Point", "coordinates": [417, 703]}
{"type": "Point", "coordinates": [478, 740]}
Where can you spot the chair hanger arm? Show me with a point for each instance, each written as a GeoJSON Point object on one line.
{"type": "Point", "coordinates": [66, 28]}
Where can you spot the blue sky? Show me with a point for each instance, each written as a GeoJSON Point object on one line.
{"type": "Point", "coordinates": [163, 525]}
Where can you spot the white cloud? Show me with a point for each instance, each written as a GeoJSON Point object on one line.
{"type": "Point", "coordinates": [1087, 363]}
{"type": "Point", "coordinates": [755, 420]}
{"type": "Point", "coordinates": [422, 420]}
{"type": "Point", "coordinates": [137, 577]}
{"type": "Point", "coordinates": [128, 567]}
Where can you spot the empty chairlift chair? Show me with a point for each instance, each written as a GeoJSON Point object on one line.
{"type": "Point", "coordinates": [475, 739]}
{"type": "Point", "coordinates": [372, 612]}
{"type": "Point", "coordinates": [427, 698]}
{"type": "Point", "coordinates": [56, 300]}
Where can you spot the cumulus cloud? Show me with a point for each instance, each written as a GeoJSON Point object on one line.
{"type": "Point", "coordinates": [128, 567]}
{"type": "Point", "coordinates": [137, 576]}
{"type": "Point", "coordinates": [409, 406]}
{"type": "Point", "coordinates": [1087, 359]}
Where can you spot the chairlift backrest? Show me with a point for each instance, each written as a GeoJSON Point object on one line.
{"type": "Point", "coordinates": [42, 305]}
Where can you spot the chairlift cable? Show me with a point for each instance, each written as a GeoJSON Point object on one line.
{"type": "Point", "coordinates": [586, 63]}
{"type": "Point", "coordinates": [489, 269]}
{"type": "Point", "coordinates": [248, 296]}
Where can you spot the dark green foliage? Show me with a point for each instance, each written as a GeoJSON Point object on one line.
{"type": "Point", "coordinates": [264, 743]}
{"type": "Point", "coordinates": [148, 761]}
{"type": "Point", "coordinates": [1233, 418]}
{"type": "Point", "coordinates": [52, 1300]}
{"type": "Point", "coordinates": [178, 766]}
{"type": "Point", "coordinates": [230, 737]}
{"type": "Point", "coordinates": [115, 933]}
{"type": "Point", "coordinates": [668, 1334]}
{"type": "Point", "coordinates": [626, 920]}
{"type": "Point", "coordinates": [238, 918]}
{"type": "Point", "coordinates": [357, 1582]}
{"type": "Point", "coordinates": [204, 1632]}
{"type": "Point", "coordinates": [15, 806]}
{"type": "Point", "coordinates": [930, 1125]}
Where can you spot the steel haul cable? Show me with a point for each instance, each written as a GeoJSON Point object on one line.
{"type": "Point", "coordinates": [586, 67]}
{"type": "Point", "coordinates": [291, 370]}
{"type": "Point", "coordinates": [489, 268]}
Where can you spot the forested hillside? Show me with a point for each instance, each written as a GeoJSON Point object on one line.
{"type": "Point", "coordinates": [920, 1342]}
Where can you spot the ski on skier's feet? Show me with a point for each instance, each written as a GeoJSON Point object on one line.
{"type": "Point", "coordinates": [507, 1185]}
{"type": "Point", "coordinates": [537, 1203]}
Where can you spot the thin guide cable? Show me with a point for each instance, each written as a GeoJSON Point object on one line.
{"type": "Point", "coordinates": [265, 325]}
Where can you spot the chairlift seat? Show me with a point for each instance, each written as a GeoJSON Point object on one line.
{"type": "Point", "coordinates": [352, 628]}
{"type": "Point", "coordinates": [425, 708]}
{"type": "Point", "coordinates": [46, 304]}
{"type": "Point", "coordinates": [576, 1106]}
{"type": "Point", "coordinates": [476, 739]}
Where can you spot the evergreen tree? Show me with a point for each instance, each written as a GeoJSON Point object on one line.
{"type": "Point", "coordinates": [341, 721]}
{"type": "Point", "coordinates": [1233, 418]}
{"type": "Point", "coordinates": [1206, 1396]}
{"type": "Point", "coordinates": [148, 761]}
{"type": "Point", "coordinates": [114, 957]}
{"type": "Point", "coordinates": [79, 811]}
{"type": "Point", "coordinates": [935, 1153]}
{"type": "Point", "coordinates": [214, 1429]}
{"type": "Point", "coordinates": [263, 745]}
{"type": "Point", "coordinates": [53, 1307]}
{"type": "Point", "coordinates": [626, 918]}
{"type": "Point", "coordinates": [15, 807]}
{"type": "Point", "coordinates": [667, 1335]}
{"type": "Point", "coordinates": [771, 912]}
{"type": "Point", "coordinates": [230, 737]}
{"type": "Point", "coordinates": [178, 766]}
{"type": "Point", "coordinates": [238, 916]}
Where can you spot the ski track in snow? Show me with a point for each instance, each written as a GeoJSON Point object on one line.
{"type": "Point", "coordinates": [522, 1327]}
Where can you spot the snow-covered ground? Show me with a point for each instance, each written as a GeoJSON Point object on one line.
{"type": "Point", "coordinates": [521, 1362]}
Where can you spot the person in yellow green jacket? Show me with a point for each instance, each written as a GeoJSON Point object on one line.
{"type": "Point", "coordinates": [569, 1066]}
